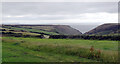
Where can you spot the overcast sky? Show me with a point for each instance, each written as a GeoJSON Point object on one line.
{"type": "Point", "coordinates": [60, 0]}
{"type": "Point", "coordinates": [59, 12]}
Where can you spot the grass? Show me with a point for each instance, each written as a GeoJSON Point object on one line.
{"type": "Point", "coordinates": [15, 53]}
{"type": "Point", "coordinates": [26, 55]}
{"type": "Point", "coordinates": [59, 50]}
{"type": "Point", "coordinates": [33, 30]}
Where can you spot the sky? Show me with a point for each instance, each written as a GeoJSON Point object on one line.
{"type": "Point", "coordinates": [59, 12]}
{"type": "Point", "coordinates": [60, 0]}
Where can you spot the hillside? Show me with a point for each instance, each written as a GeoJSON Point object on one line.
{"type": "Point", "coordinates": [43, 29]}
{"type": "Point", "coordinates": [105, 29]}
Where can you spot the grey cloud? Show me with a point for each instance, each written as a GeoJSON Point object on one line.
{"type": "Point", "coordinates": [41, 17]}
{"type": "Point", "coordinates": [20, 8]}
{"type": "Point", "coordinates": [34, 18]}
{"type": "Point", "coordinates": [60, 0]}
{"type": "Point", "coordinates": [49, 12]}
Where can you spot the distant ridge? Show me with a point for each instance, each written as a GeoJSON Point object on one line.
{"type": "Point", "coordinates": [60, 29]}
{"type": "Point", "coordinates": [105, 29]}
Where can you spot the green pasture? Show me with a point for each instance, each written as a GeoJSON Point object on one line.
{"type": "Point", "coordinates": [57, 50]}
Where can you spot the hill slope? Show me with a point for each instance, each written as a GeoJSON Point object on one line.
{"type": "Point", "coordinates": [65, 29]}
{"type": "Point", "coordinates": [45, 29]}
{"type": "Point", "coordinates": [105, 29]}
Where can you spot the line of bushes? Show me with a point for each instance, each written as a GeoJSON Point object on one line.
{"type": "Point", "coordinates": [85, 37]}
{"type": "Point", "coordinates": [88, 37]}
{"type": "Point", "coordinates": [20, 35]}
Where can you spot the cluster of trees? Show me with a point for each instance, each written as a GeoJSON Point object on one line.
{"type": "Point", "coordinates": [2, 30]}
{"type": "Point", "coordinates": [39, 33]}
{"type": "Point", "coordinates": [89, 37]}
{"type": "Point", "coordinates": [20, 35]}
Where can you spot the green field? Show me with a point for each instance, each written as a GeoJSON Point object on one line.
{"type": "Point", "coordinates": [28, 30]}
{"type": "Point", "coordinates": [57, 50]}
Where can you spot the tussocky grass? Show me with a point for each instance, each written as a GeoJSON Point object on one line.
{"type": "Point", "coordinates": [72, 49]}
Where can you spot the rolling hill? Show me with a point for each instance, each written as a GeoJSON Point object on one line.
{"type": "Point", "coordinates": [43, 29]}
{"type": "Point", "coordinates": [105, 29]}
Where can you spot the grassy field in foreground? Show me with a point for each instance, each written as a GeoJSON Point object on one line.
{"type": "Point", "coordinates": [57, 50]}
